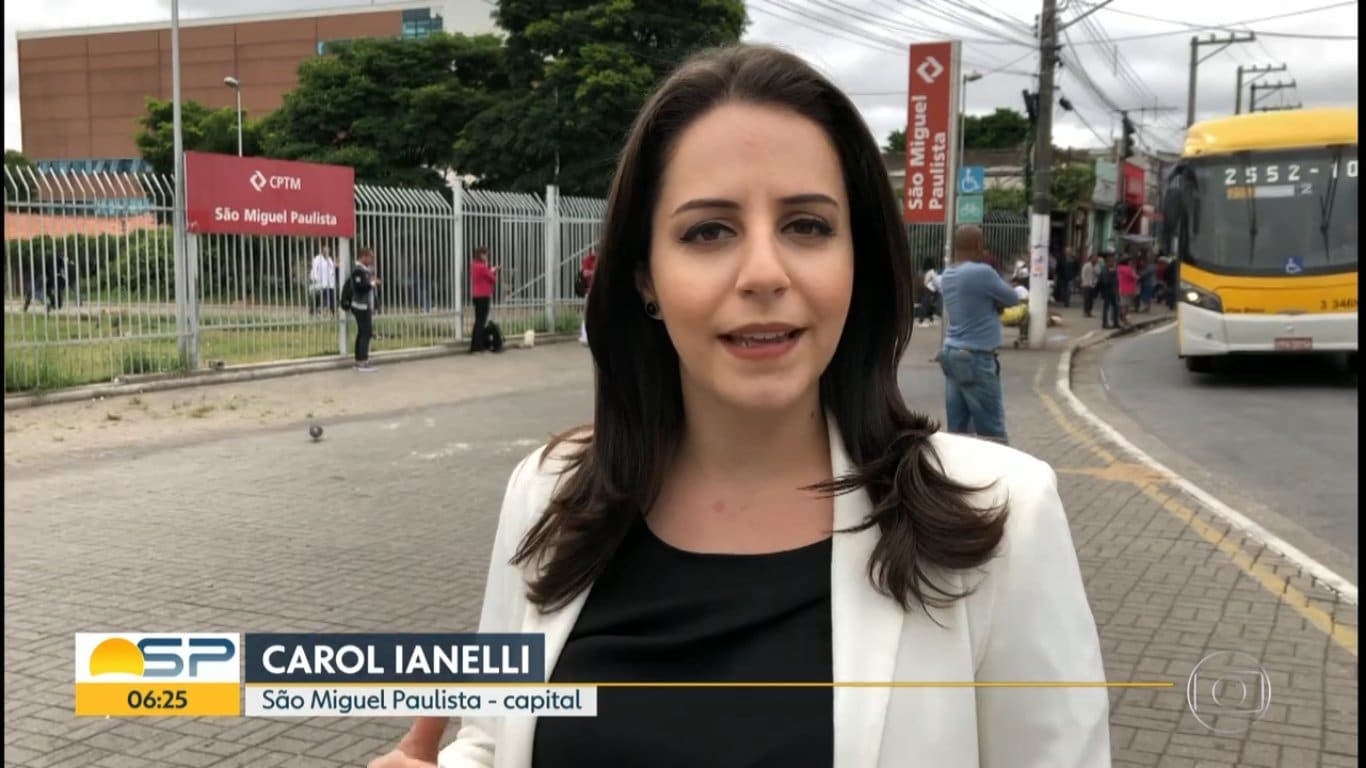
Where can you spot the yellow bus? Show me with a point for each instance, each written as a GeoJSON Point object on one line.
{"type": "Point", "coordinates": [1262, 212]}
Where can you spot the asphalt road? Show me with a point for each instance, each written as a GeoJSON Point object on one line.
{"type": "Point", "coordinates": [1274, 434]}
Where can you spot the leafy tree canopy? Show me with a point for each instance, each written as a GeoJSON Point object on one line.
{"type": "Point", "coordinates": [390, 108]}
{"type": "Point", "coordinates": [582, 70]}
{"type": "Point", "coordinates": [202, 130]}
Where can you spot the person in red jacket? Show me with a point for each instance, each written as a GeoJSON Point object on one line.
{"type": "Point", "coordinates": [482, 279]}
{"type": "Point", "coordinates": [590, 263]}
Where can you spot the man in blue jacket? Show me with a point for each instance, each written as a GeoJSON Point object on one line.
{"type": "Point", "coordinates": [974, 295]}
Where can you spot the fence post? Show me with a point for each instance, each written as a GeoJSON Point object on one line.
{"type": "Point", "coordinates": [192, 299]}
{"type": "Point", "coordinates": [343, 275]}
{"type": "Point", "coordinates": [458, 256]}
{"type": "Point", "coordinates": [552, 254]}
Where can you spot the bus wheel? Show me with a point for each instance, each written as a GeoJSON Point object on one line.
{"type": "Point", "coordinates": [1199, 364]}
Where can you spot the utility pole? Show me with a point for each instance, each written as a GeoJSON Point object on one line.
{"type": "Point", "coordinates": [1040, 222]}
{"type": "Point", "coordinates": [1259, 72]}
{"type": "Point", "coordinates": [1196, 43]}
{"type": "Point", "coordinates": [1269, 88]}
{"type": "Point", "coordinates": [183, 283]}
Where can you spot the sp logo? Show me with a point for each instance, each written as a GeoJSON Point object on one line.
{"type": "Point", "coordinates": [190, 656]}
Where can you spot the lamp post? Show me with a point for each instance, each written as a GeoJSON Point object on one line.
{"type": "Point", "coordinates": [186, 342]}
{"type": "Point", "coordinates": [236, 85]}
{"type": "Point", "coordinates": [951, 215]}
{"type": "Point", "coordinates": [970, 77]}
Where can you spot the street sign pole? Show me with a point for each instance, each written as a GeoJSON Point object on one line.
{"type": "Point", "coordinates": [931, 140]}
{"type": "Point", "coordinates": [951, 198]}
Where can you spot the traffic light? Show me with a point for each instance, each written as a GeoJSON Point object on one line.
{"type": "Point", "coordinates": [1031, 101]}
{"type": "Point", "coordinates": [1126, 146]}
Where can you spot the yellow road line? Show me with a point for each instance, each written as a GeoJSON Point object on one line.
{"type": "Point", "coordinates": [1343, 636]}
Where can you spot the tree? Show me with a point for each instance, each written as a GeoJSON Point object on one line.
{"type": "Point", "coordinates": [896, 141]}
{"type": "Point", "coordinates": [389, 108]}
{"type": "Point", "coordinates": [16, 161]}
{"type": "Point", "coordinates": [1007, 200]}
{"type": "Point", "coordinates": [1002, 129]}
{"type": "Point", "coordinates": [581, 70]}
{"type": "Point", "coordinates": [1072, 183]}
{"type": "Point", "coordinates": [202, 130]}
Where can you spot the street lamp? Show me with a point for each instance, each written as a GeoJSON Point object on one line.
{"type": "Point", "coordinates": [970, 77]}
{"type": "Point", "coordinates": [951, 216]}
{"type": "Point", "coordinates": [236, 85]}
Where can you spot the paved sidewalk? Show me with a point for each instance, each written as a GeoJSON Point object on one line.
{"type": "Point", "coordinates": [1171, 584]}
{"type": "Point", "coordinates": [239, 523]}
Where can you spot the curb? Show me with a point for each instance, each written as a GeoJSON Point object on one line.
{"type": "Point", "coordinates": [242, 373]}
{"type": "Point", "coordinates": [1316, 570]}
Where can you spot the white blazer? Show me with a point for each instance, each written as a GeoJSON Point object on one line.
{"type": "Point", "coordinates": [1027, 621]}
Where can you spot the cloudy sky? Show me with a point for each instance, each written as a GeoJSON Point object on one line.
{"type": "Point", "coordinates": [1129, 54]}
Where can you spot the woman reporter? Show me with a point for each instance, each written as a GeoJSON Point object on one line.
{"type": "Point", "coordinates": [754, 501]}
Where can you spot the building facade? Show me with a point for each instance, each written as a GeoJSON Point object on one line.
{"type": "Point", "coordinates": [83, 91]}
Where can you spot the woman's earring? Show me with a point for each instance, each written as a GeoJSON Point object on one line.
{"type": "Point", "coordinates": [652, 309]}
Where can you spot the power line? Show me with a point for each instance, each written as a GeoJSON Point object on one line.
{"type": "Point", "coordinates": [1244, 22]}
{"type": "Point", "coordinates": [1123, 70]}
{"type": "Point", "coordinates": [1186, 30]}
{"type": "Point", "coordinates": [1008, 23]}
{"type": "Point", "coordinates": [918, 24]}
{"type": "Point", "coordinates": [833, 16]}
{"type": "Point", "coordinates": [850, 38]}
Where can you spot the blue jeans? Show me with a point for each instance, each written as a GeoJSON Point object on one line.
{"type": "Point", "coordinates": [972, 392]}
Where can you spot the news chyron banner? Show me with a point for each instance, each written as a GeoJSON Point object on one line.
{"type": "Point", "coordinates": [322, 675]}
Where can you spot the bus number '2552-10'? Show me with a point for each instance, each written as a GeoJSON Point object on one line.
{"type": "Point", "coordinates": [1337, 304]}
{"type": "Point", "coordinates": [1272, 174]}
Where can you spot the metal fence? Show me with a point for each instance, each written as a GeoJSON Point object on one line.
{"type": "Point", "coordinates": [91, 284]}
{"type": "Point", "coordinates": [1006, 234]}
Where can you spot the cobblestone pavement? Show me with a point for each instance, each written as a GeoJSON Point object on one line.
{"type": "Point", "coordinates": [242, 525]}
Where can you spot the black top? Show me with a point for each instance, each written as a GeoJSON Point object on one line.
{"type": "Point", "coordinates": [660, 614]}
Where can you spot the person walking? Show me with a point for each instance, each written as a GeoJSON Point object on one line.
{"type": "Point", "coordinates": [1128, 288]}
{"type": "Point", "coordinates": [322, 279]}
{"type": "Point", "coordinates": [1147, 282]}
{"type": "Point", "coordinates": [929, 298]}
{"type": "Point", "coordinates": [363, 285]}
{"type": "Point", "coordinates": [590, 263]}
{"type": "Point", "coordinates": [1089, 279]}
{"type": "Point", "coordinates": [974, 295]}
{"type": "Point", "coordinates": [1107, 286]}
{"type": "Point", "coordinates": [482, 279]}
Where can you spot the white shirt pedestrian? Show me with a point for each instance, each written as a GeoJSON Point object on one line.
{"type": "Point", "coordinates": [323, 276]}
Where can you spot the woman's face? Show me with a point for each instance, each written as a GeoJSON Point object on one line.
{"type": "Point", "coordinates": [751, 257]}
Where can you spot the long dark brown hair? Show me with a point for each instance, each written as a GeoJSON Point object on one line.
{"type": "Point", "coordinates": [616, 469]}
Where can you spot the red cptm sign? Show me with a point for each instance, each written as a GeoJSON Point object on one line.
{"type": "Point", "coordinates": [929, 123]}
{"type": "Point", "coordinates": [254, 196]}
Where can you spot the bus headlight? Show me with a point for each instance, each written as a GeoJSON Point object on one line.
{"type": "Point", "coordinates": [1200, 298]}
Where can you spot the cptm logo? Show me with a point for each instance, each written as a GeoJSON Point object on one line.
{"type": "Point", "coordinates": [195, 674]}
{"type": "Point", "coordinates": [930, 69]}
{"type": "Point", "coordinates": [259, 181]}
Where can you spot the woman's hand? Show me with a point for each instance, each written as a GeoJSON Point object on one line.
{"type": "Point", "coordinates": [419, 747]}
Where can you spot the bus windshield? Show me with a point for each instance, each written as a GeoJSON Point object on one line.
{"type": "Point", "coordinates": [1275, 212]}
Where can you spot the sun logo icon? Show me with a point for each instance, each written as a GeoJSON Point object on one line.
{"type": "Point", "coordinates": [116, 656]}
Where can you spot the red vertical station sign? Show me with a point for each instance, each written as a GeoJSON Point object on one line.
{"type": "Point", "coordinates": [929, 124]}
{"type": "Point", "coordinates": [255, 196]}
